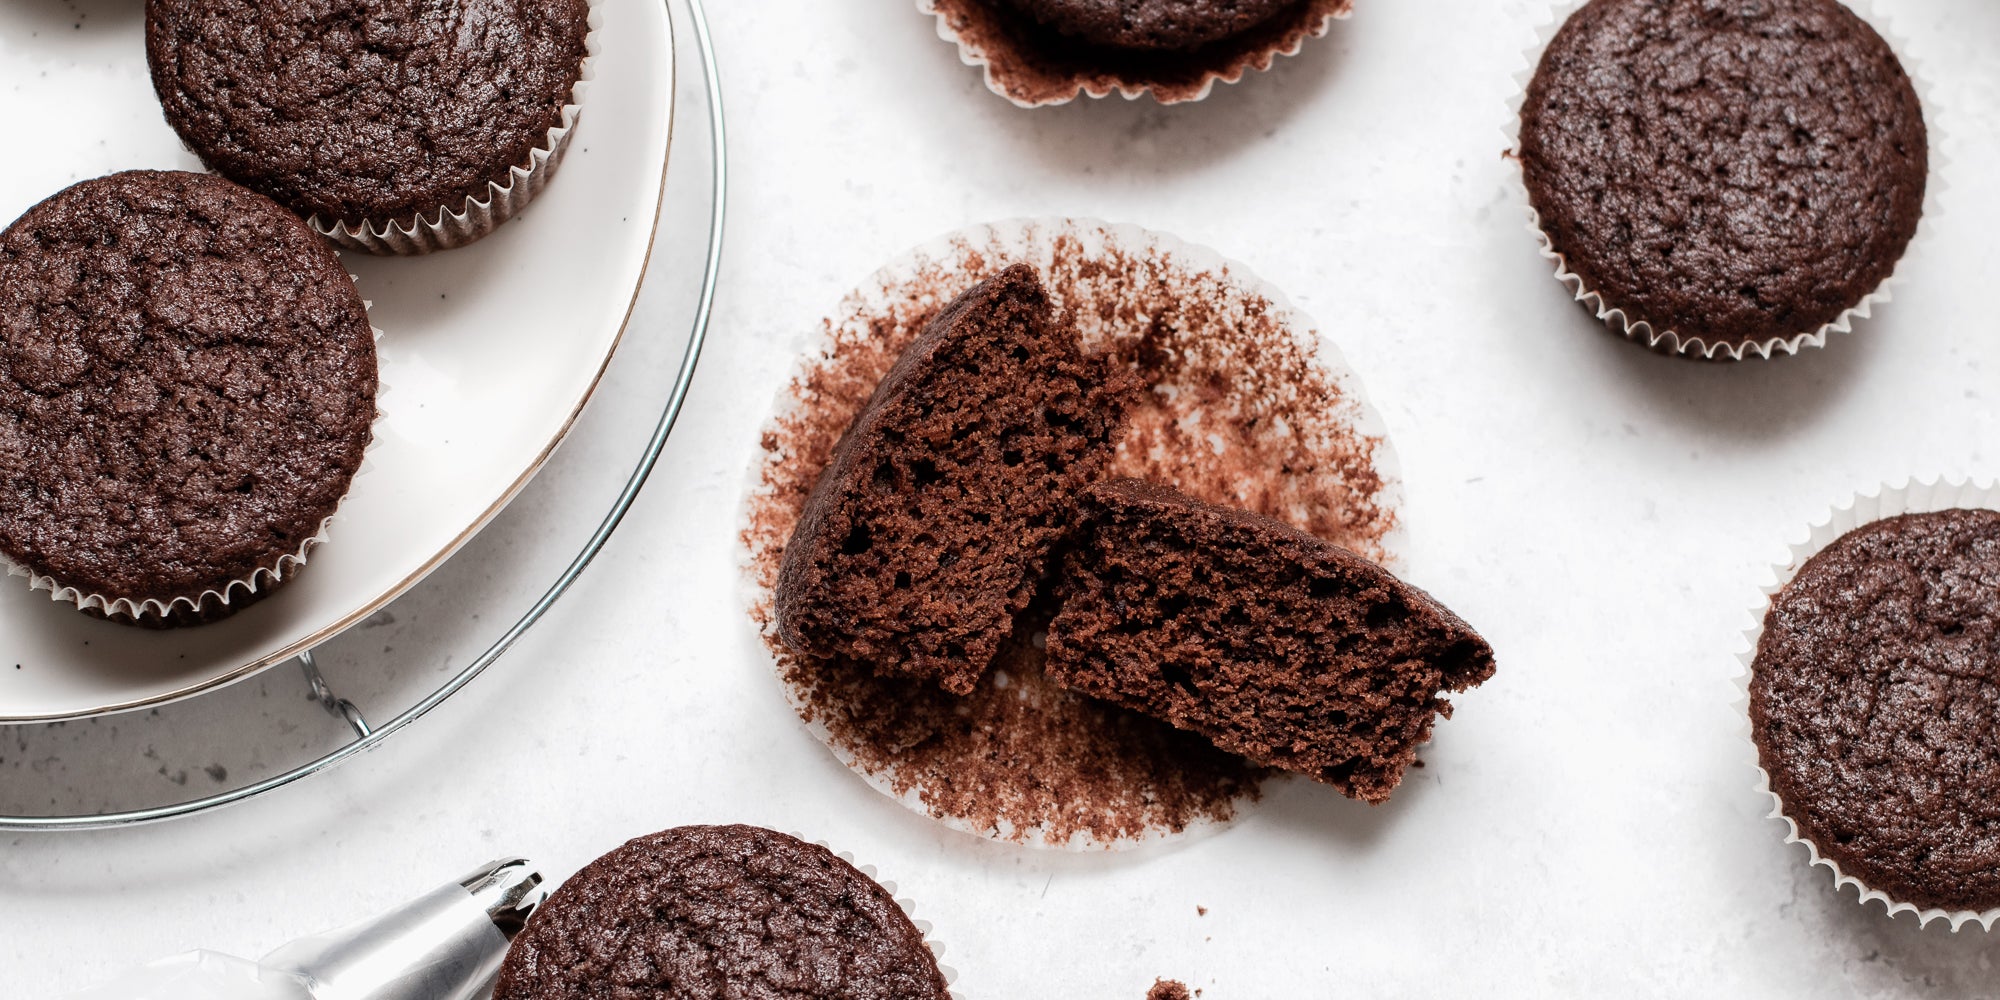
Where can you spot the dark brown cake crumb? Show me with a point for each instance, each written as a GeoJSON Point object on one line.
{"type": "Point", "coordinates": [1020, 757]}
{"type": "Point", "coordinates": [1875, 706]}
{"type": "Point", "coordinates": [934, 524]}
{"type": "Point", "coordinates": [720, 913]}
{"type": "Point", "coordinates": [1168, 989]}
{"type": "Point", "coordinates": [1272, 643]}
{"type": "Point", "coordinates": [1033, 63]}
{"type": "Point", "coordinates": [1240, 414]}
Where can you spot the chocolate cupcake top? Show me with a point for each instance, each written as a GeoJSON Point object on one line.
{"type": "Point", "coordinates": [1039, 52]}
{"type": "Point", "coordinates": [187, 382]}
{"type": "Point", "coordinates": [366, 110]}
{"type": "Point", "coordinates": [1152, 24]}
{"type": "Point", "coordinates": [1875, 706]}
{"type": "Point", "coordinates": [1730, 172]}
{"type": "Point", "coordinates": [720, 913]}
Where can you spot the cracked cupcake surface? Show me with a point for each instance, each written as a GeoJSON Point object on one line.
{"type": "Point", "coordinates": [1732, 173]}
{"type": "Point", "coordinates": [720, 913]}
{"type": "Point", "coordinates": [1041, 52]}
{"type": "Point", "coordinates": [1873, 703]}
{"type": "Point", "coordinates": [1152, 24]}
{"type": "Point", "coordinates": [365, 110]}
{"type": "Point", "coordinates": [187, 385]}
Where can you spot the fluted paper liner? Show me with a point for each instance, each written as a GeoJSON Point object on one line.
{"type": "Point", "coordinates": [1035, 241]}
{"type": "Point", "coordinates": [973, 54]}
{"type": "Point", "coordinates": [1666, 341]}
{"type": "Point", "coordinates": [1918, 496]}
{"type": "Point", "coordinates": [152, 610]}
{"type": "Point", "coordinates": [445, 228]}
{"type": "Point", "coordinates": [905, 904]}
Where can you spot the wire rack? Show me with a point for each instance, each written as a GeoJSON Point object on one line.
{"type": "Point", "coordinates": [367, 735]}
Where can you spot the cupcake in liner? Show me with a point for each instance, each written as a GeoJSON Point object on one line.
{"type": "Point", "coordinates": [1034, 66]}
{"type": "Point", "coordinates": [228, 265]}
{"type": "Point", "coordinates": [743, 909]}
{"type": "Point", "coordinates": [1307, 411]}
{"type": "Point", "coordinates": [1666, 340]}
{"type": "Point", "coordinates": [1909, 497]}
{"type": "Point", "coordinates": [211, 604]}
{"type": "Point", "coordinates": [446, 228]}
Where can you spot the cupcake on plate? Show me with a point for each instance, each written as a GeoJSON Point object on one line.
{"type": "Point", "coordinates": [1039, 52]}
{"type": "Point", "coordinates": [721, 913]}
{"type": "Point", "coordinates": [187, 385]}
{"type": "Point", "coordinates": [394, 126]}
{"type": "Point", "coordinates": [1874, 703]}
{"type": "Point", "coordinates": [1723, 181]}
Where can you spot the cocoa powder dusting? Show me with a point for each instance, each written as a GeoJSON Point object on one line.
{"type": "Point", "coordinates": [1240, 414]}
{"type": "Point", "coordinates": [1032, 64]}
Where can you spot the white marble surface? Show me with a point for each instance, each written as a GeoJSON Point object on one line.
{"type": "Point", "coordinates": [1586, 826]}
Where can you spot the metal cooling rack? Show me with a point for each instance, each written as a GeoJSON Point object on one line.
{"type": "Point", "coordinates": [367, 735]}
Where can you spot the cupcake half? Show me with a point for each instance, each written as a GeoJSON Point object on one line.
{"type": "Point", "coordinates": [1723, 181]}
{"type": "Point", "coordinates": [187, 385]}
{"type": "Point", "coordinates": [395, 127]}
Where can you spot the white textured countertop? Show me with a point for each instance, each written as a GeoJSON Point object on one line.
{"type": "Point", "coordinates": [1586, 825]}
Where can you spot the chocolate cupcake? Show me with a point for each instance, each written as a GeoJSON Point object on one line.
{"type": "Point", "coordinates": [720, 913]}
{"type": "Point", "coordinates": [1152, 25]}
{"type": "Point", "coordinates": [187, 384]}
{"type": "Point", "coordinates": [1874, 702]}
{"type": "Point", "coordinates": [393, 126]}
{"type": "Point", "coordinates": [1039, 52]}
{"type": "Point", "coordinates": [1723, 181]}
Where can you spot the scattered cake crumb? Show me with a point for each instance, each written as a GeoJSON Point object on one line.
{"type": "Point", "coordinates": [1168, 989]}
{"type": "Point", "coordinates": [1240, 413]}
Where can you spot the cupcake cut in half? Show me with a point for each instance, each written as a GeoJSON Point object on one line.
{"type": "Point", "coordinates": [1274, 644]}
{"type": "Point", "coordinates": [964, 505]}
{"type": "Point", "coordinates": [369, 113]}
{"type": "Point", "coordinates": [1736, 177]}
{"type": "Point", "coordinates": [720, 913]}
{"type": "Point", "coordinates": [187, 384]}
{"type": "Point", "coordinates": [934, 524]}
{"type": "Point", "coordinates": [1875, 706]}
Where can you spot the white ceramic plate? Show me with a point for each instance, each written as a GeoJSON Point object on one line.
{"type": "Point", "coordinates": [488, 352]}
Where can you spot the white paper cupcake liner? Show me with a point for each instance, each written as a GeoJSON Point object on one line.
{"type": "Point", "coordinates": [982, 249]}
{"type": "Point", "coordinates": [1034, 837]}
{"type": "Point", "coordinates": [154, 611]}
{"type": "Point", "coordinates": [1667, 341]}
{"type": "Point", "coordinates": [907, 905]}
{"type": "Point", "coordinates": [1917, 496]}
{"type": "Point", "coordinates": [444, 228]}
{"type": "Point", "coordinates": [973, 54]}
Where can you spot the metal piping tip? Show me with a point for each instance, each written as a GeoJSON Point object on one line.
{"type": "Point", "coordinates": [445, 945]}
{"type": "Point", "coordinates": [509, 889]}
